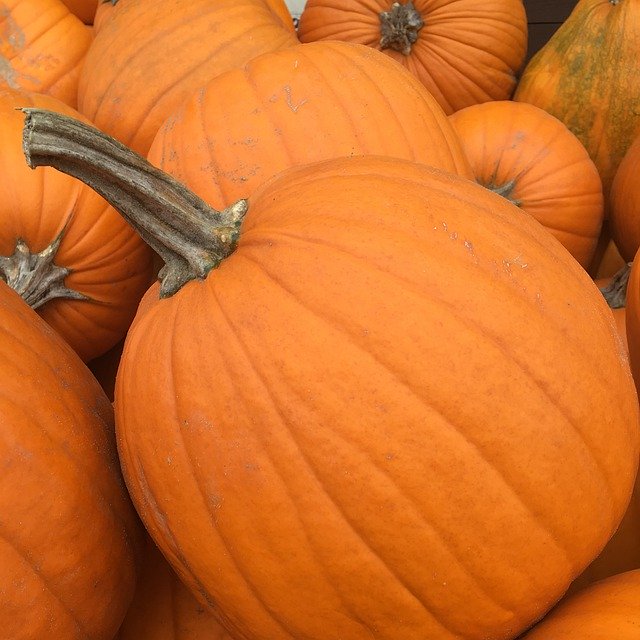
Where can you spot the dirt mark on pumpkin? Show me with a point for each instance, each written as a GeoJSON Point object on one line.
{"type": "Point", "coordinates": [12, 42]}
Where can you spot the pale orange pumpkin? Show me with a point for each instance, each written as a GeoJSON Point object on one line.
{"type": "Point", "coordinates": [369, 415]}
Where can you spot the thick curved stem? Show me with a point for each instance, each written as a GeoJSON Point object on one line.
{"type": "Point", "coordinates": [505, 190]}
{"type": "Point", "coordinates": [615, 293]}
{"type": "Point", "coordinates": [399, 27]}
{"type": "Point", "coordinates": [190, 236]}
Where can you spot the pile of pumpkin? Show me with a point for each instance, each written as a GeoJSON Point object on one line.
{"type": "Point", "coordinates": [356, 281]}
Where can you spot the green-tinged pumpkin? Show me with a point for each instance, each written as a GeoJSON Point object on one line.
{"type": "Point", "coordinates": [149, 56]}
{"type": "Point", "coordinates": [532, 159]}
{"type": "Point", "coordinates": [311, 102]}
{"type": "Point", "coordinates": [69, 536]}
{"type": "Point", "coordinates": [382, 413]}
{"type": "Point", "coordinates": [588, 76]}
{"type": "Point", "coordinates": [603, 611]}
{"type": "Point", "coordinates": [464, 51]}
{"type": "Point", "coordinates": [62, 247]}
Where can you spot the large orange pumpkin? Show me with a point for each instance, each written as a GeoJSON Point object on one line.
{"type": "Point", "coordinates": [62, 247]}
{"type": "Point", "coordinates": [164, 609]}
{"type": "Point", "coordinates": [607, 610]}
{"type": "Point", "coordinates": [306, 103]}
{"type": "Point", "coordinates": [394, 409]}
{"type": "Point", "coordinates": [69, 536]}
{"type": "Point", "coordinates": [149, 56]}
{"type": "Point", "coordinates": [588, 76]}
{"type": "Point", "coordinates": [464, 51]}
{"type": "Point", "coordinates": [42, 48]}
{"type": "Point", "coordinates": [532, 159]}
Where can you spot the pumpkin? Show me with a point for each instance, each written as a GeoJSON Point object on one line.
{"type": "Point", "coordinates": [608, 609]}
{"type": "Point", "coordinates": [532, 159]}
{"type": "Point", "coordinates": [368, 400]}
{"type": "Point", "coordinates": [70, 536]}
{"type": "Point", "coordinates": [632, 315]}
{"type": "Point", "coordinates": [84, 9]}
{"type": "Point", "coordinates": [294, 106]}
{"type": "Point", "coordinates": [625, 203]}
{"type": "Point", "coordinates": [134, 77]}
{"type": "Point", "coordinates": [588, 76]}
{"type": "Point", "coordinates": [42, 48]}
{"type": "Point", "coordinates": [463, 51]}
{"type": "Point", "coordinates": [62, 247]}
{"type": "Point", "coordinates": [164, 609]}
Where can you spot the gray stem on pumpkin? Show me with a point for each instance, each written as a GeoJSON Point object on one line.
{"type": "Point", "coordinates": [191, 237]}
{"type": "Point", "coordinates": [399, 27]}
{"type": "Point", "coordinates": [615, 293]}
{"type": "Point", "coordinates": [505, 190]}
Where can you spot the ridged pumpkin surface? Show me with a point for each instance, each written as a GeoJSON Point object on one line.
{"type": "Point", "coordinates": [149, 56]}
{"type": "Point", "coordinates": [604, 611]}
{"type": "Point", "coordinates": [164, 609]}
{"type": "Point", "coordinates": [42, 48]}
{"type": "Point", "coordinates": [531, 158]}
{"type": "Point", "coordinates": [466, 52]}
{"type": "Point", "coordinates": [393, 411]}
{"type": "Point", "coordinates": [588, 76]}
{"type": "Point", "coordinates": [68, 533]}
{"type": "Point", "coordinates": [312, 102]}
{"type": "Point", "coordinates": [108, 262]}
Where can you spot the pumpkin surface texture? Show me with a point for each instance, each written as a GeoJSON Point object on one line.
{"type": "Point", "coordinates": [392, 410]}
{"type": "Point", "coordinates": [532, 159]}
{"type": "Point", "coordinates": [306, 103]}
{"type": "Point", "coordinates": [134, 78]}
{"type": "Point", "coordinates": [69, 536]}
{"type": "Point", "coordinates": [42, 47]}
{"type": "Point", "coordinates": [62, 247]}
{"type": "Point", "coordinates": [588, 76]}
{"type": "Point", "coordinates": [464, 52]}
{"type": "Point", "coordinates": [606, 610]}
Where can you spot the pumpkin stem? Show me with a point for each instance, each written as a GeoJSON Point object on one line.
{"type": "Point", "coordinates": [35, 277]}
{"type": "Point", "coordinates": [505, 190]}
{"type": "Point", "coordinates": [615, 293]}
{"type": "Point", "coordinates": [399, 27]}
{"type": "Point", "coordinates": [190, 236]}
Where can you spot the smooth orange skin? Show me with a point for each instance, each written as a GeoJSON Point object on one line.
{"type": "Point", "coordinates": [69, 534]}
{"type": "Point", "coordinates": [606, 610]}
{"type": "Point", "coordinates": [553, 177]}
{"type": "Point", "coordinates": [84, 9]}
{"type": "Point", "coordinates": [299, 105]}
{"type": "Point", "coordinates": [625, 203]}
{"type": "Point", "coordinates": [466, 52]}
{"type": "Point", "coordinates": [135, 77]}
{"type": "Point", "coordinates": [164, 609]}
{"type": "Point", "coordinates": [108, 260]}
{"type": "Point", "coordinates": [588, 76]}
{"type": "Point", "coordinates": [396, 406]}
{"type": "Point", "coordinates": [280, 9]}
{"type": "Point", "coordinates": [42, 48]}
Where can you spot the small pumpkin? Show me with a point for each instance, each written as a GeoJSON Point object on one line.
{"type": "Point", "coordinates": [135, 77]}
{"type": "Point", "coordinates": [588, 76]}
{"type": "Point", "coordinates": [68, 253]}
{"type": "Point", "coordinates": [298, 105]}
{"type": "Point", "coordinates": [70, 536]}
{"type": "Point", "coordinates": [606, 610]}
{"type": "Point", "coordinates": [286, 448]}
{"type": "Point", "coordinates": [463, 51]}
{"type": "Point", "coordinates": [532, 159]}
{"type": "Point", "coordinates": [42, 48]}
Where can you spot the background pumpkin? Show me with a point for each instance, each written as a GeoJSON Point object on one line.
{"type": "Point", "coordinates": [93, 267]}
{"type": "Point", "coordinates": [70, 537]}
{"type": "Point", "coordinates": [295, 433]}
{"type": "Point", "coordinates": [135, 77]}
{"type": "Point", "coordinates": [588, 76]}
{"type": "Point", "coordinates": [299, 105]}
{"type": "Point", "coordinates": [42, 47]}
{"type": "Point", "coordinates": [532, 159]}
{"type": "Point", "coordinates": [605, 610]}
{"type": "Point", "coordinates": [464, 54]}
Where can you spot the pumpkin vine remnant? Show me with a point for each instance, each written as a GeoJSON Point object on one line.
{"type": "Point", "coordinates": [505, 190]}
{"type": "Point", "coordinates": [615, 293]}
{"type": "Point", "coordinates": [399, 27]}
{"type": "Point", "coordinates": [35, 276]}
{"type": "Point", "coordinates": [190, 236]}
